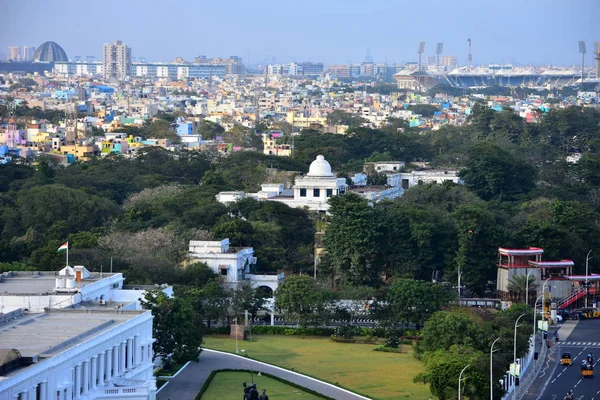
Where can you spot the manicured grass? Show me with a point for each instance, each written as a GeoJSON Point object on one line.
{"type": "Point", "coordinates": [170, 372]}
{"type": "Point", "coordinates": [356, 367]}
{"type": "Point", "coordinates": [228, 385]}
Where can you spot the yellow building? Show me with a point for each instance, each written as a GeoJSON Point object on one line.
{"type": "Point", "coordinates": [81, 152]}
{"type": "Point", "coordinates": [297, 119]}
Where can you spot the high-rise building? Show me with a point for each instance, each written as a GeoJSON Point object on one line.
{"type": "Point", "coordinates": [28, 52]}
{"type": "Point", "coordinates": [14, 53]}
{"type": "Point", "coordinates": [116, 60]}
{"type": "Point", "coordinates": [448, 61]}
{"type": "Point", "coordinates": [310, 68]}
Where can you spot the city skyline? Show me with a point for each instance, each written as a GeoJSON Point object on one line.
{"type": "Point", "coordinates": [537, 33]}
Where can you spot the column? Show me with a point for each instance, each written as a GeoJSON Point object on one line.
{"type": "Point", "coordinates": [33, 393]}
{"type": "Point", "coordinates": [94, 373]}
{"type": "Point", "coordinates": [116, 363]}
{"type": "Point", "coordinates": [44, 390]}
{"type": "Point", "coordinates": [101, 362]}
{"type": "Point", "coordinates": [24, 395]}
{"type": "Point", "coordinates": [77, 389]}
{"type": "Point", "coordinates": [129, 360]}
{"type": "Point", "coordinates": [122, 366]}
{"type": "Point", "coordinates": [69, 394]}
{"type": "Point", "coordinates": [109, 357]}
{"type": "Point", "coordinates": [137, 351]}
{"type": "Point", "coordinates": [86, 377]}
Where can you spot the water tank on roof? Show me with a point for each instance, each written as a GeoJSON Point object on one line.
{"type": "Point", "coordinates": [60, 283]}
{"type": "Point", "coordinates": [70, 283]}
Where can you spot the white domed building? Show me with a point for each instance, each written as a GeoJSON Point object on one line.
{"type": "Point", "coordinates": [311, 190]}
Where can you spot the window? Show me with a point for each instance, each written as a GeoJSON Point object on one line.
{"type": "Point", "coordinates": [329, 192]}
{"type": "Point", "coordinates": [316, 192]}
{"type": "Point", "coordinates": [224, 272]}
{"type": "Point", "coordinates": [302, 192]}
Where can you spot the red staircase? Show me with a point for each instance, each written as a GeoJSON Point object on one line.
{"type": "Point", "coordinates": [575, 295]}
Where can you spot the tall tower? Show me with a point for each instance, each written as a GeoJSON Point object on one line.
{"type": "Point", "coordinates": [420, 51]}
{"type": "Point", "coordinates": [438, 51]}
{"type": "Point", "coordinates": [597, 53]}
{"type": "Point", "coordinates": [116, 60]}
{"type": "Point", "coordinates": [470, 56]}
{"type": "Point", "coordinates": [582, 50]}
{"type": "Point", "coordinates": [14, 53]}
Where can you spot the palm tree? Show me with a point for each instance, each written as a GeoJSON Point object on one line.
{"type": "Point", "coordinates": [517, 286]}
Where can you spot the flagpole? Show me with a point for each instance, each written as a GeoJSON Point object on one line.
{"type": "Point", "coordinates": [67, 254]}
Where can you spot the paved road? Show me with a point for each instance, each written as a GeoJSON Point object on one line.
{"type": "Point", "coordinates": [584, 338]}
{"type": "Point", "coordinates": [187, 384]}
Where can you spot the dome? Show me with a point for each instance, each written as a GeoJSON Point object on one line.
{"type": "Point", "coordinates": [320, 167]}
{"type": "Point", "coordinates": [50, 52]}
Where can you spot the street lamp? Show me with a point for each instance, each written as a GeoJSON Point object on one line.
{"type": "Point", "coordinates": [236, 335]}
{"type": "Point", "coordinates": [460, 379]}
{"type": "Point", "coordinates": [515, 342]}
{"type": "Point", "coordinates": [544, 299]}
{"type": "Point", "coordinates": [587, 259]}
{"type": "Point", "coordinates": [534, 320]}
{"type": "Point", "coordinates": [459, 275]}
{"type": "Point", "coordinates": [492, 370]}
{"type": "Point", "coordinates": [527, 287]}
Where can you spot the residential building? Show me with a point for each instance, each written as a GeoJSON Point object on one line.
{"type": "Point", "coordinates": [341, 71]}
{"type": "Point", "coordinates": [14, 53]}
{"type": "Point", "coordinates": [116, 60]}
{"type": "Point", "coordinates": [233, 264]}
{"type": "Point", "coordinates": [449, 61]}
{"type": "Point", "coordinates": [311, 68]}
{"type": "Point", "coordinates": [421, 176]}
{"type": "Point", "coordinates": [28, 52]}
{"type": "Point", "coordinates": [271, 147]}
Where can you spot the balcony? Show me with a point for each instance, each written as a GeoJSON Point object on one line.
{"type": "Point", "coordinates": [128, 392]}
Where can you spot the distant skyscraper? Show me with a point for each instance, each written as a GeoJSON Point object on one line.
{"type": "Point", "coordinates": [14, 53]}
{"type": "Point", "coordinates": [28, 52]}
{"type": "Point", "coordinates": [116, 60]}
{"type": "Point", "coordinates": [448, 61]}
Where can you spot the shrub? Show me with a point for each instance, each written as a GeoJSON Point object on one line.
{"type": "Point", "coordinates": [346, 331]}
{"type": "Point", "coordinates": [387, 349]}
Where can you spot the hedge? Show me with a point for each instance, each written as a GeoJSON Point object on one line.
{"type": "Point", "coordinates": [299, 331]}
{"type": "Point", "coordinates": [213, 373]}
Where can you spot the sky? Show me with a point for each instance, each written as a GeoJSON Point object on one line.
{"type": "Point", "coordinates": [522, 32]}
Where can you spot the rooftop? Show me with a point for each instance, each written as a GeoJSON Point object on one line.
{"type": "Point", "coordinates": [49, 334]}
{"type": "Point", "coordinates": [38, 282]}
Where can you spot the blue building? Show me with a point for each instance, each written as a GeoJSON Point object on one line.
{"type": "Point", "coordinates": [184, 128]}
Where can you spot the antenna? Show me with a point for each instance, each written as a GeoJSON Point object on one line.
{"type": "Point", "coordinates": [420, 51]}
{"type": "Point", "coordinates": [470, 56]}
{"type": "Point", "coordinates": [438, 51]}
{"type": "Point", "coordinates": [582, 51]}
{"type": "Point", "coordinates": [597, 53]}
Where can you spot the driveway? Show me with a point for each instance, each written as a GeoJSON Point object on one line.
{"type": "Point", "coordinates": [187, 383]}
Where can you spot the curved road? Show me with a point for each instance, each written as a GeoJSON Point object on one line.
{"type": "Point", "coordinates": [187, 383]}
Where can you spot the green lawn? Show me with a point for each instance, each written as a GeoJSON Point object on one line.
{"type": "Point", "coordinates": [355, 367]}
{"type": "Point", "coordinates": [228, 385]}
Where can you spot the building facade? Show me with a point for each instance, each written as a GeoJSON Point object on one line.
{"type": "Point", "coordinates": [116, 60]}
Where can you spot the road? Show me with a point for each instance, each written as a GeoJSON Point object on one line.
{"type": "Point", "coordinates": [584, 339]}
{"type": "Point", "coordinates": [187, 384]}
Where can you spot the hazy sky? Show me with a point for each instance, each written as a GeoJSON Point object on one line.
{"type": "Point", "coordinates": [332, 31]}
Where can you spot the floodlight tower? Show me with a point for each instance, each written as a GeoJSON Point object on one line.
{"type": "Point", "coordinates": [438, 51]}
{"type": "Point", "coordinates": [470, 56]}
{"type": "Point", "coordinates": [597, 53]}
{"type": "Point", "coordinates": [420, 51]}
{"type": "Point", "coordinates": [582, 51]}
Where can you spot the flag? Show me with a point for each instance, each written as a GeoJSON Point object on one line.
{"type": "Point", "coordinates": [64, 247]}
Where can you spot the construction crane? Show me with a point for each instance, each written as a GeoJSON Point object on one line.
{"type": "Point", "coordinates": [420, 51]}
{"type": "Point", "coordinates": [470, 56]}
{"type": "Point", "coordinates": [438, 51]}
{"type": "Point", "coordinates": [90, 59]}
{"type": "Point", "coordinates": [582, 51]}
{"type": "Point", "coordinates": [77, 58]}
{"type": "Point", "coordinates": [597, 53]}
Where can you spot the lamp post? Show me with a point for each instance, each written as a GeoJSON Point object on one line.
{"type": "Point", "coordinates": [587, 260]}
{"type": "Point", "coordinates": [492, 370]}
{"type": "Point", "coordinates": [459, 275]}
{"type": "Point", "coordinates": [544, 299]}
{"type": "Point", "coordinates": [534, 320]}
{"type": "Point", "coordinates": [236, 336]}
{"type": "Point", "coordinates": [527, 287]}
{"type": "Point", "coordinates": [515, 342]}
{"type": "Point", "coordinates": [460, 379]}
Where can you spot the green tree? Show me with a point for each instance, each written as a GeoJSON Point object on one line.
{"type": "Point", "coordinates": [426, 110]}
{"type": "Point", "coordinates": [518, 285]}
{"type": "Point", "coordinates": [352, 240]}
{"type": "Point", "coordinates": [494, 173]}
{"type": "Point", "coordinates": [415, 301]}
{"type": "Point", "coordinates": [211, 301]}
{"type": "Point", "coordinates": [162, 129]}
{"type": "Point", "coordinates": [247, 298]}
{"type": "Point", "coordinates": [176, 326]}
{"type": "Point", "coordinates": [300, 299]}
{"type": "Point", "coordinates": [209, 129]}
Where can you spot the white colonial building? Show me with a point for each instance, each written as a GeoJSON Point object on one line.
{"type": "Point", "coordinates": [76, 354]}
{"type": "Point", "coordinates": [421, 176]}
{"type": "Point", "coordinates": [232, 263]}
{"type": "Point", "coordinates": [72, 334]}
